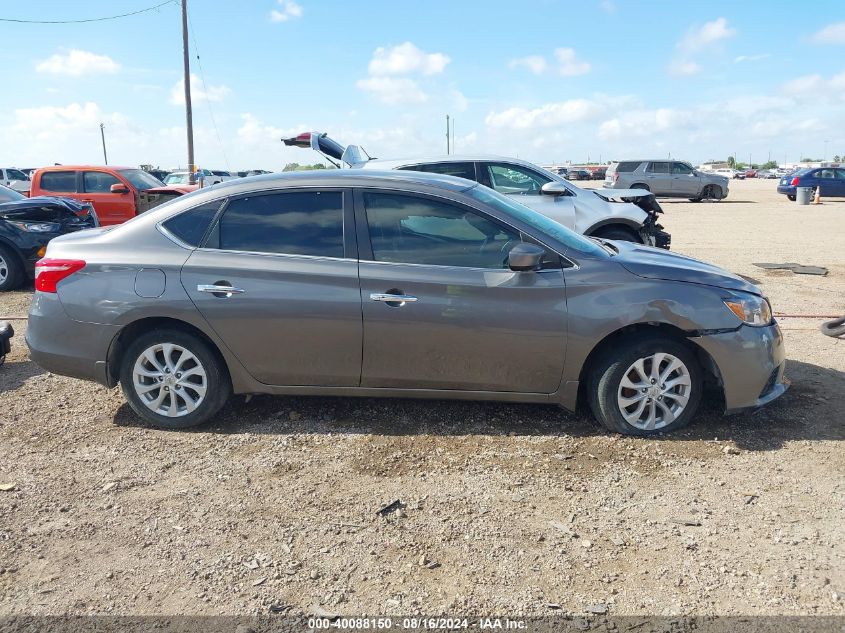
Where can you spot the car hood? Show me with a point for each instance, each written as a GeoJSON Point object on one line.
{"type": "Point", "coordinates": [656, 263]}
{"type": "Point", "coordinates": [40, 201]}
{"type": "Point", "coordinates": [611, 194]}
{"type": "Point", "coordinates": [173, 188]}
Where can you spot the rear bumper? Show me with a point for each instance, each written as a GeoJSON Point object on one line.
{"type": "Point", "coordinates": [66, 347]}
{"type": "Point", "coordinates": [6, 334]}
{"type": "Point", "coordinates": [751, 362]}
{"type": "Point", "coordinates": [788, 190]}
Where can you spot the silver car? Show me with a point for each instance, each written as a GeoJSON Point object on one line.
{"type": "Point", "coordinates": [399, 284]}
{"type": "Point", "coordinates": [666, 178]}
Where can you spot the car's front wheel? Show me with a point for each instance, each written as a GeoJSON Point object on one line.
{"type": "Point", "coordinates": [649, 385]}
{"type": "Point", "coordinates": [10, 269]}
{"type": "Point", "coordinates": [173, 379]}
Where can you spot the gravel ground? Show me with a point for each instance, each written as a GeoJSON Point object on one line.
{"type": "Point", "coordinates": [509, 509]}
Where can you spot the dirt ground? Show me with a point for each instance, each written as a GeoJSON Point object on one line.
{"type": "Point", "coordinates": [508, 509]}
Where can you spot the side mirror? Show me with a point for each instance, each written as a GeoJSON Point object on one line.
{"type": "Point", "coordinates": [554, 188]}
{"type": "Point", "coordinates": [119, 188]}
{"type": "Point", "coordinates": [525, 257]}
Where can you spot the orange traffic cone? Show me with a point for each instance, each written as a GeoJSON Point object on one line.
{"type": "Point", "coordinates": [817, 199]}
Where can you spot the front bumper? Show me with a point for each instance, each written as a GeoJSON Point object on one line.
{"type": "Point", "coordinates": [751, 362]}
{"type": "Point", "coordinates": [66, 347]}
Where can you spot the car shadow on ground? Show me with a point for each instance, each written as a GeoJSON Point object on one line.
{"type": "Point", "coordinates": [13, 374]}
{"type": "Point", "coordinates": [808, 411]}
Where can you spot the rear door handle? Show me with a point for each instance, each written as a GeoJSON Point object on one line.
{"type": "Point", "coordinates": [393, 298]}
{"type": "Point", "coordinates": [217, 290]}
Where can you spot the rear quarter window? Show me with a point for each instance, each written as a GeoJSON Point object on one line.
{"type": "Point", "coordinates": [627, 166]}
{"type": "Point", "coordinates": [63, 181]}
{"type": "Point", "coordinates": [191, 226]}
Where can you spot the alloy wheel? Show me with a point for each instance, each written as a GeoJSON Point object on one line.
{"type": "Point", "coordinates": [654, 391]}
{"type": "Point", "coordinates": [169, 379]}
{"type": "Point", "coordinates": [4, 269]}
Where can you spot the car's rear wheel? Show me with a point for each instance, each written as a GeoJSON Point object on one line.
{"type": "Point", "coordinates": [11, 271]}
{"type": "Point", "coordinates": [173, 379]}
{"type": "Point", "coordinates": [619, 233]}
{"type": "Point", "coordinates": [640, 185]}
{"type": "Point", "coordinates": [791, 198]}
{"type": "Point", "coordinates": [647, 386]}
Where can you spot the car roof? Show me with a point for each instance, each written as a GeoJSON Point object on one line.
{"type": "Point", "coordinates": [84, 167]}
{"type": "Point", "coordinates": [391, 163]}
{"type": "Point", "coordinates": [348, 178]}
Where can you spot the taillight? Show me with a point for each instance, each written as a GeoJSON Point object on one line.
{"type": "Point", "coordinates": [615, 176]}
{"type": "Point", "coordinates": [49, 272]}
{"type": "Point", "coordinates": [795, 181]}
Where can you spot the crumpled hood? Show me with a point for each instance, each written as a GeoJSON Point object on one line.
{"type": "Point", "coordinates": [656, 263]}
{"type": "Point", "coordinates": [39, 201]}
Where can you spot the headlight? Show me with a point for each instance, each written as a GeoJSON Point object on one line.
{"type": "Point", "coordinates": [750, 309]}
{"type": "Point", "coordinates": [38, 227]}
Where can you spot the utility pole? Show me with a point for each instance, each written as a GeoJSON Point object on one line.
{"type": "Point", "coordinates": [189, 118]}
{"type": "Point", "coordinates": [453, 135]}
{"type": "Point", "coordinates": [447, 134]}
{"type": "Point", "coordinates": [103, 137]}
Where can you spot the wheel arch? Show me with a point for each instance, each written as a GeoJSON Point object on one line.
{"type": "Point", "coordinates": [134, 329]}
{"type": "Point", "coordinates": [712, 375]}
{"type": "Point", "coordinates": [624, 223]}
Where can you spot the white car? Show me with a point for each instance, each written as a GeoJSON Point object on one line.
{"type": "Point", "coordinates": [183, 177]}
{"type": "Point", "coordinates": [616, 214]}
{"type": "Point", "coordinates": [14, 179]}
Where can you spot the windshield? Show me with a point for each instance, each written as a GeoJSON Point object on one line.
{"type": "Point", "coordinates": [10, 195]}
{"type": "Point", "coordinates": [140, 179]}
{"type": "Point", "coordinates": [545, 225]}
{"type": "Point", "coordinates": [177, 179]}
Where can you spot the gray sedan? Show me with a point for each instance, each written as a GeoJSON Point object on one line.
{"type": "Point", "coordinates": [399, 284]}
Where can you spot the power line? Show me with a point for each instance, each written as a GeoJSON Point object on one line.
{"type": "Point", "coordinates": [205, 87]}
{"type": "Point", "coordinates": [110, 17]}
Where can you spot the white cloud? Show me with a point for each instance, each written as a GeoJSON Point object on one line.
{"type": "Point", "coordinates": [831, 34]}
{"type": "Point", "coordinates": [406, 59]}
{"type": "Point", "coordinates": [815, 87]}
{"type": "Point", "coordinates": [393, 90]}
{"type": "Point", "coordinates": [198, 92]}
{"type": "Point", "coordinates": [78, 62]}
{"type": "Point", "coordinates": [751, 58]}
{"type": "Point", "coordinates": [700, 37]}
{"type": "Point", "coordinates": [289, 11]}
{"type": "Point", "coordinates": [684, 67]}
{"type": "Point", "coordinates": [696, 40]}
{"type": "Point", "coordinates": [608, 6]}
{"type": "Point", "coordinates": [548, 115]}
{"type": "Point", "coordinates": [535, 63]}
{"type": "Point", "coordinates": [568, 63]}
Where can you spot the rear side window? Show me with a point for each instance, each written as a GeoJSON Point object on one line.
{"type": "Point", "coordinates": [293, 223]}
{"type": "Point", "coordinates": [190, 226]}
{"type": "Point", "coordinates": [64, 181]}
{"type": "Point", "coordinates": [658, 168]}
{"type": "Point", "coordinates": [626, 167]}
{"type": "Point", "coordinates": [461, 170]}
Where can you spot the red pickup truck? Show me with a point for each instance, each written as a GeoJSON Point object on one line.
{"type": "Point", "coordinates": [116, 193]}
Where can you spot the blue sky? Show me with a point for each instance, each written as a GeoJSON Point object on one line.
{"type": "Point", "coordinates": [543, 79]}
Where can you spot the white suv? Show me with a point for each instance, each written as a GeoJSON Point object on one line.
{"type": "Point", "coordinates": [629, 215]}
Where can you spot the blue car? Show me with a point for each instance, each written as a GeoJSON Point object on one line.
{"type": "Point", "coordinates": [830, 180]}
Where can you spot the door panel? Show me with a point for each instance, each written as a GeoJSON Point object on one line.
{"type": "Point", "coordinates": [461, 319]}
{"type": "Point", "coordinates": [684, 181]}
{"type": "Point", "coordinates": [297, 322]}
{"type": "Point", "coordinates": [469, 329]}
{"type": "Point", "coordinates": [111, 208]}
{"type": "Point", "coordinates": [658, 178]}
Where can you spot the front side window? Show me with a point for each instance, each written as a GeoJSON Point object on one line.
{"type": "Point", "coordinates": [414, 230]}
{"type": "Point", "coordinates": [292, 223]}
{"type": "Point", "coordinates": [63, 181]}
{"type": "Point", "coordinates": [140, 179]}
{"type": "Point", "coordinates": [506, 178]}
{"type": "Point", "coordinates": [681, 168]}
{"type": "Point", "coordinates": [658, 168]}
{"type": "Point", "coordinates": [461, 170]}
{"type": "Point", "coordinates": [98, 181]}
{"type": "Point", "coordinates": [840, 174]}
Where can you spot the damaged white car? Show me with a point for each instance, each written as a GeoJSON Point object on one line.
{"type": "Point", "coordinates": [614, 214]}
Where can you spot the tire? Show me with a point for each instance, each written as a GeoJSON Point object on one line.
{"type": "Point", "coordinates": [11, 271]}
{"type": "Point", "coordinates": [204, 381]}
{"type": "Point", "coordinates": [620, 233]}
{"type": "Point", "coordinates": [790, 198]}
{"type": "Point", "coordinates": [640, 185]}
{"type": "Point", "coordinates": [696, 199]}
{"type": "Point", "coordinates": [607, 393]}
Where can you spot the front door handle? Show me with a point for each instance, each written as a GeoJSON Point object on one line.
{"type": "Point", "coordinates": [393, 298]}
{"type": "Point", "coordinates": [219, 290]}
